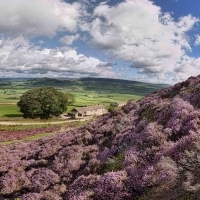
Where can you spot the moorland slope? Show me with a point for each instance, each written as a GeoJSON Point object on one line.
{"type": "Point", "coordinates": [83, 84]}
{"type": "Point", "coordinates": [149, 149]}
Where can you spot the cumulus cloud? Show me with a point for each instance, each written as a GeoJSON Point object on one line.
{"type": "Point", "coordinates": [20, 56]}
{"type": "Point", "coordinates": [197, 41]}
{"type": "Point", "coordinates": [39, 17]}
{"type": "Point", "coordinates": [187, 66]}
{"type": "Point", "coordinates": [69, 39]}
{"type": "Point", "coordinates": [138, 32]}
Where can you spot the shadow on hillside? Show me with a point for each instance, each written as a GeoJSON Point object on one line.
{"type": "Point", "coordinates": [12, 115]}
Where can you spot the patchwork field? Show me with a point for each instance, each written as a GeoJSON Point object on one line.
{"type": "Point", "coordinates": [87, 91]}
{"type": "Point", "coordinates": [8, 107]}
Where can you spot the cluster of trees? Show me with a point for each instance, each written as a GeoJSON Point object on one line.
{"type": "Point", "coordinates": [44, 102]}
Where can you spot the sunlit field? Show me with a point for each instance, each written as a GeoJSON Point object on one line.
{"type": "Point", "coordinates": [87, 91]}
{"type": "Point", "coordinates": [9, 110]}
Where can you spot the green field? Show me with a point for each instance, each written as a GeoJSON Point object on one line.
{"type": "Point", "coordinates": [9, 111]}
{"type": "Point", "coordinates": [10, 95]}
{"type": "Point", "coordinates": [92, 98]}
{"type": "Point", "coordinates": [87, 91]}
{"type": "Point", "coordinates": [82, 99]}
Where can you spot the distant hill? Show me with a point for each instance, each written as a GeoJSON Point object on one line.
{"type": "Point", "coordinates": [122, 85]}
{"type": "Point", "coordinates": [147, 150]}
{"type": "Point", "coordinates": [87, 84]}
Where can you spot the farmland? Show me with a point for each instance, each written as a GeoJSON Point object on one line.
{"type": "Point", "coordinates": [87, 91]}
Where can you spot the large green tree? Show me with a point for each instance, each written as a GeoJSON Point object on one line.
{"type": "Point", "coordinates": [44, 102]}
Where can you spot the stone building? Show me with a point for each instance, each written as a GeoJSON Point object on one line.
{"type": "Point", "coordinates": [87, 111]}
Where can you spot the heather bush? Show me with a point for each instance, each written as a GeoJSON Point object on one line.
{"type": "Point", "coordinates": [153, 181]}
{"type": "Point", "coordinates": [82, 188]}
{"type": "Point", "coordinates": [190, 169]}
{"type": "Point", "coordinates": [147, 113]}
{"type": "Point", "coordinates": [14, 181]}
{"type": "Point", "coordinates": [176, 149]}
{"type": "Point", "coordinates": [67, 161]}
{"type": "Point", "coordinates": [147, 150]}
{"type": "Point", "coordinates": [7, 135]}
{"type": "Point", "coordinates": [130, 106]}
{"type": "Point", "coordinates": [112, 185]}
{"type": "Point", "coordinates": [179, 111]}
{"type": "Point", "coordinates": [42, 178]}
{"type": "Point", "coordinates": [31, 196]}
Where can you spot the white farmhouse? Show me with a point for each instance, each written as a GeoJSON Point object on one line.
{"type": "Point", "coordinates": [87, 111]}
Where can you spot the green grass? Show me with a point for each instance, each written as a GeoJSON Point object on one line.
{"type": "Point", "coordinates": [10, 95]}
{"type": "Point", "coordinates": [88, 91]}
{"type": "Point", "coordinates": [9, 111]}
{"type": "Point", "coordinates": [92, 98]}
{"type": "Point", "coordinates": [82, 99]}
{"type": "Point", "coordinates": [113, 164]}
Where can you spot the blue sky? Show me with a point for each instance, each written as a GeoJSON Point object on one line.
{"type": "Point", "coordinates": [153, 41]}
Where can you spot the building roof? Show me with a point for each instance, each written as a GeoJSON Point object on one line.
{"type": "Point", "coordinates": [88, 108]}
{"type": "Point", "coordinates": [73, 112]}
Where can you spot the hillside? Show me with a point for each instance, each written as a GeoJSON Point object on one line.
{"type": "Point", "coordinates": [86, 84]}
{"type": "Point", "coordinates": [147, 150]}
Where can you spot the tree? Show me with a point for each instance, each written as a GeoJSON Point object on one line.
{"type": "Point", "coordinates": [44, 102]}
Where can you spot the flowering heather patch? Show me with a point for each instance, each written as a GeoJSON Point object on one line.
{"type": "Point", "coordinates": [8, 135]}
{"type": "Point", "coordinates": [147, 150]}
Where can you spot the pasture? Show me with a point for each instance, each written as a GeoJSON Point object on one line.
{"type": "Point", "coordinates": [87, 91]}
{"type": "Point", "coordinates": [93, 98]}
{"type": "Point", "coordinates": [10, 95]}
{"type": "Point", "coordinates": [9, 111]}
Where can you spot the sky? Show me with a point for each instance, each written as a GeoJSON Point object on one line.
{"type": "Point", "coordinates": [154, 41]}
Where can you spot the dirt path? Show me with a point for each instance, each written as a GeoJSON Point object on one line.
{"type": "Point", "coordinates": [8, 103]}
{"type": "Point", "coordinates": [32, 123]}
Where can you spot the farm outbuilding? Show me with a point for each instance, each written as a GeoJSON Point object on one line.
{"type": "Point", "coordinates": [87, 111]}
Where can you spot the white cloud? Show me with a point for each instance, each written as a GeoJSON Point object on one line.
{"type": "Point", "coordinates": [197, 41]}
{"type": "Point", "coordinates": [138, 32]}
{"type": "Point", "coordinates": [19, 56]}
{"type": "Point", "coordinates": [69, 39]}
{"type": "Point", "coordinates": [38, 17]}
{"type": "Point", "coordinates": [188, 66]}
